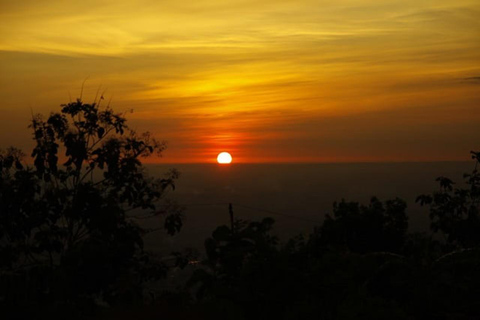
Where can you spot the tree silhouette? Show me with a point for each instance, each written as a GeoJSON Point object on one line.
{"type": "Point", "coordinates": [67, 224]}
{"type": "Point", "coordinates": [360, 228]}
{"type": "Point", "coordinates": [455, 212]}
{"type": "Point", "coordinates": [69, 238]}
{"type": "Point", "coordinates": [360, 263]}
{"type": "Point", "coordinates": [247, 272]}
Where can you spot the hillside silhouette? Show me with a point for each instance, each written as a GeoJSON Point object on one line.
{"type": "Point", "coordinates": [71, 245]}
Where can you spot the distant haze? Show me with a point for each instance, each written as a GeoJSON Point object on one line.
{"type": "Point", "coordinates": [304, 191]}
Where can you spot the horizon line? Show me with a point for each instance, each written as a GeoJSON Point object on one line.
{"type": "Point", "coordinates": [307, 162]}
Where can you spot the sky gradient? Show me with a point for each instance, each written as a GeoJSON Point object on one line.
{"type": "Point", "coordinates": [269, 81]}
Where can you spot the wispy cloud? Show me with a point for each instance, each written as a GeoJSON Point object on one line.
{"type": "Point", "coordinates": [254, 76]}
{"type": "Point", "coordinates": [472, 79]}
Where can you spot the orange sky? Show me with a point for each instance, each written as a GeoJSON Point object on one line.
{"type": "Point", "coordinates": [268, 81]}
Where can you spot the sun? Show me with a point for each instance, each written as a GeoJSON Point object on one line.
{"type": "Point", "coordinates": [224, 158]}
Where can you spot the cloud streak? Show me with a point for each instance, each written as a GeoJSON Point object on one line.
{"type": "Point", "coordinates": [250, 76]}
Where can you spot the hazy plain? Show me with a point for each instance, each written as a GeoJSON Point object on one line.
{"type": "Point", "coordinates": [304, 192]}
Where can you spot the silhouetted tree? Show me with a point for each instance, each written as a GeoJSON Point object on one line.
{"type": "Point", "coordinates": [247, 271]}
{"type": "Point", "coordinates": [360, 263]}
{"type": "Point", "coordinates": [241, 270]}
{"type": "Point", "coordinates": [359, 228]}
{"type": "Point", "coordinates": [67, 224]}
{"type": "Point", "coordinates": [455, 212]}
{"type": "Point", "coordinates": [230, 251]}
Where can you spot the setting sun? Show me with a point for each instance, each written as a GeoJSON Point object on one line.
{"type": "Point", "coordinates": [224, 157]}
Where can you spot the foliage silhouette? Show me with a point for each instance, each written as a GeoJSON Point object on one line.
{"type": "Point", "coordinates": [359, 264]}
{"type": "Point", "coordinates": [361, 229]}
{"type": "Point", "coordinates": [67, 224]}
{"type": "Point", "coordinates": [69, 241]}
{"type": "Point", "coordinates": [455, 212]}
{"type": "Point", "coordinates": [304, 277]}
{"type": "Point", "coordinates": [230, 251]}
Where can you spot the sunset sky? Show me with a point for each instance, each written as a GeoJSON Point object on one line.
{"type": "Point", "coordinates": [268, 81]}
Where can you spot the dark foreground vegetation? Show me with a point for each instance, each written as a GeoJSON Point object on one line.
{"type": "Point", "coordinates": [71, 247]}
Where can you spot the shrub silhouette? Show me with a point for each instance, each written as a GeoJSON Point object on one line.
{"type": "Point", "coordinates": [359, 228]}
{"type": "Point", "coordinates": [67, 224]}
{"type": "Point", "coordinates": [360, 263]}
{"type": "Point", "coordinates": [68, 238]}
{"type": "Point", "coordinates": [455, 212]}
{"type": "Point", "coordinates": [248, 271]}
